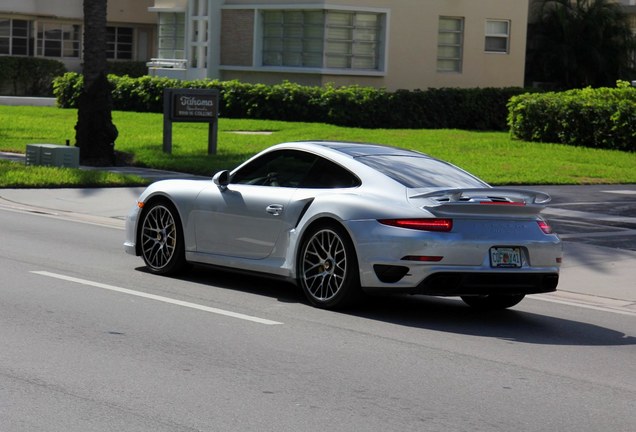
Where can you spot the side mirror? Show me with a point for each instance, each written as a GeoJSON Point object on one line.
{"type": "Point", "coordinates": [222, 179]}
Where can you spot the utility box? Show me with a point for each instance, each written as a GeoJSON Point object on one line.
{"type": "Point", "coordinates": [52, 155]}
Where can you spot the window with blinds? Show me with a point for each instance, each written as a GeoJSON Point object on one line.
{"type": "Point", "coordinates": [497, 36]}
{"type": "Point", "coordinates": [322, 39]}
{"type": "Point", "coordinates": [450, 44]}
{"type": "Point", "coordinates": [171, 35]}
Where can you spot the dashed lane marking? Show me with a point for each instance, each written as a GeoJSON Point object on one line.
{"type": "Point", "coordinates": [158, 298]}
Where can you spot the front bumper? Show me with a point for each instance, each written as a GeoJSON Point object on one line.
{"type": "Point", "coordinates": [130, 243]}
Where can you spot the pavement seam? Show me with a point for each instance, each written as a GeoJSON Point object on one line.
{"type": "Point", "coordinates": [110, 222]}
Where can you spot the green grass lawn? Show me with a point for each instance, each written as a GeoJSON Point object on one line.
{"type": "Point", "coordinates": [493, 156]}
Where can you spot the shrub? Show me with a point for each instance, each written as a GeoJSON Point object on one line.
{"type": "Point", "coordinates": [133, 69]}
{"type": "Point", "coordinates": [352, 106]}
{"type": "Point", "coordinates": [597, 118]}
{"type": "Point", "coordinates": [29, 76]}
{"type": "Point", "coordinates": [67, 89]}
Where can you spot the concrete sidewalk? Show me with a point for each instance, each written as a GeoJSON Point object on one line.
{"type": "Point", "coordinates": [147, 173]}
{"type": "Point", "coordinates": [27, 101]}
{"type": "Point", "coordinates": [591, 275]}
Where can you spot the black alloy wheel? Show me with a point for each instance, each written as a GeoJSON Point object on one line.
{"type": "Point", "coordinates": [161, 238]}
{"type": "Point", "coordinates": [328, 268]}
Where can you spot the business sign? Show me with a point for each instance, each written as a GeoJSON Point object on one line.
{"type": "Point", "coordinates": [194, 106]}
{"type": "Point", "coordinates": [190, 105]}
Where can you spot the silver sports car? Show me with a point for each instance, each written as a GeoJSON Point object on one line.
{"type": "Point", "coordinates": [340, 218]}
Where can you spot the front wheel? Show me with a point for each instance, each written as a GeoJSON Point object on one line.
{"type": "Point", "coordinates": [493, 301]}
{"type": "Point", "coordinates": [328, 268]}
{"type": "Point", "coordinates": [162, 245]}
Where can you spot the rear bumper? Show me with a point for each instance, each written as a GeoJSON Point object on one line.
{"type": "Point", "coordinates": [460, 284]}
{"type": "Point", "coordinates": [451, 283]}
{"type": "Point", "coordinates": [461, 261]}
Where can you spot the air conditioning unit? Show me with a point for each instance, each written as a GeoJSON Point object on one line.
{"type": "Point", "coordinates": [52, 155]}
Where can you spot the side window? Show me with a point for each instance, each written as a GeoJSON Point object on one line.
{"type": "Point", "coordinates": [450, 44]}
{"type": "Point", "coordinates": [326, 174]}
{"type": "Point", "coordinates": [283, 168]}
{"type": "Point", "coordinates": [497, 36]}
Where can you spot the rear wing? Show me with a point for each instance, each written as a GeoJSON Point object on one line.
{"type": "Point", "coordinates": [484, 201]}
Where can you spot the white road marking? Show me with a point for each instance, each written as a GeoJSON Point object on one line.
{"type": "Point", "coordinates": [553, 211]}
{"type": "Point", "coordinates": [621, 233]}
{"type": "Point", "coordinates": [622, 309]}
{"type": "Point", "coordinates": [621, 192]}
{"type": "Point", "coordinates": [157, 298]}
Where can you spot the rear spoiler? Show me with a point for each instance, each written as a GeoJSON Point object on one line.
{"type": "Point", "coordinates": [494, 194]}
{"type": "Point", "coordinates": [485, 200]}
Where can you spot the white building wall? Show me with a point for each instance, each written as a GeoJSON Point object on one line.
{"type": "Point", "coordinates": [51, 8]}
{"type": "Point", "coordinates": [68, 15]}
{"type": "Point", "coordinates": [124, 11]}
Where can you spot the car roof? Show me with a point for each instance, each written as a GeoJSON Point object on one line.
{"type": "Point", "coordinates": [355, 149]}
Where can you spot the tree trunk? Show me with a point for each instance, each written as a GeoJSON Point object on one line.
{"type": "Point", "coordinates": [95, 132]}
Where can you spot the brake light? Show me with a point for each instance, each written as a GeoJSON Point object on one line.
{"type": "Point", "coordinates": [545, 227]}
{"type": "Point", "coordinates": [438, 225]}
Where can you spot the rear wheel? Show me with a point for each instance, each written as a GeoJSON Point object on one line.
{"type": "Point", "coordinates": [328, 268]}
{"type": "Point", "coordinates": [493, 301]}
{"type": "Point", "coordinates": [161, 239]}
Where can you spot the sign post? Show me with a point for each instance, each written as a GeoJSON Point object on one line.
{"type": "Point", "coordinates": [190, 105]}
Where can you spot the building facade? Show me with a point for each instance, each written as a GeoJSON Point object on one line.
{"type": "Point", "coordinates": [53, 29]}
{"type": "Point", "coordinates": [395, 44]}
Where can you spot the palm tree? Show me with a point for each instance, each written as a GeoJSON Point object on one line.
{"type": "Point", "coordinates": [95, 132]}
{"type": "Point", "coordinates": [579, 43]}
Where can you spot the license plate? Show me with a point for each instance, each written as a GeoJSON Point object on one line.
{"type": "Point", "coordinates": [505, 257]}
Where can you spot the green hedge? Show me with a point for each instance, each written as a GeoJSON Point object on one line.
{"type": "Point", "coordinates": [352, 106]}
{"type": "Point", "coordinates": [597, 118]}
{"type": "Point", "coordinates": [130, 68]}
{"type": "Point", "coordinates": [28, 76]}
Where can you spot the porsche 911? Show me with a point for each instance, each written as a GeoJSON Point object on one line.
{"type": "Point", "coordinates": [340, 219]}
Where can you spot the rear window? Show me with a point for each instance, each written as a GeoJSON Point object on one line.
{"type": "Point", "coordinates": [421, 171]}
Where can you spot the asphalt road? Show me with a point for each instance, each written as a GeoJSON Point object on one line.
{"type": "Point", "coordinates": [91, 342]}
{"type": "Point", "coordinates": [602, 215]}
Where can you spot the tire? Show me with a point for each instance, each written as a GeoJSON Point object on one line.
{"type": "Point", "coordinates": [328, 267]}
{"type": "Point", "coordinates": [493, 301]}
{"type": "Point", "coordinates": [161, 239]}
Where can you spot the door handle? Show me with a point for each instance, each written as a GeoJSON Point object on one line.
{"type": "Point", "coordinates": [274, 209]}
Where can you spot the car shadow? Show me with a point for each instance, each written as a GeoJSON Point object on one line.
{"type": "Point", "coordinates": [451, 315]}
{"type": "Point", "coordinates": [448, 315]}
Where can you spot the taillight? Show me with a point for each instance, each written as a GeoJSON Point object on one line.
{"type": "Point", "coordinates": [545, 227]}
{"type": "Point", "coordinates": [438, 225]}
